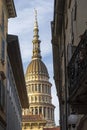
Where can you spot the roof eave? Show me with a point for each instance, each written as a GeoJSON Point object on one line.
{"type": "Point", "coordinates": [16, 64]}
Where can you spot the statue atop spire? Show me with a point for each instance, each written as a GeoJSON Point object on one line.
{"type": "Point", "coordinates": [36, 41]}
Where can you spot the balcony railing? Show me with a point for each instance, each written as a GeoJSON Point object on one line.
{"type": "Point", "coordinates": [77, 68]}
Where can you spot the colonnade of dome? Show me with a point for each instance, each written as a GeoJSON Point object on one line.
{"type": "Point", "coordinates": [39, 94]}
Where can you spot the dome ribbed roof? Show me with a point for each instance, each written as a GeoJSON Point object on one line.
{"type": "Point", "coordinates": [36, 66]}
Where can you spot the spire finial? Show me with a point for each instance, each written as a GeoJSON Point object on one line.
{"type": "Point", "coordinates": [35, 14]}
{"type": "Point", "coordinates": [36, 23]}
{"type": "Point", "coordinates": [36, 41]}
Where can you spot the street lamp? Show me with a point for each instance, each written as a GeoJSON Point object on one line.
{"type": "Point", "coordinates": [72, 120]}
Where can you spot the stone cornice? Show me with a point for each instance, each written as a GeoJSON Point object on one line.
{"type": "Point", "coordinates": [11, 8]}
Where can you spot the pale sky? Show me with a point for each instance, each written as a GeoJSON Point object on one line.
{"type": "Point", "coordinates": [23, 26]}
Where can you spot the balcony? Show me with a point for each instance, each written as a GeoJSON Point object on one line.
{"type": "Point", "coordinates": [77, 77]}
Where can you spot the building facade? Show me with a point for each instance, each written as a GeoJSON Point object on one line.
{"type": "Point", "coordinates": [7, 10]}
{"type": "Point", "coordinates": [41, 111]}
{"type": "Point", "coordinates": [16, 93]}
{"type": "Point", "coordinates": [69, 38]}
{"type": "Point", "coordinates": [12, 83]}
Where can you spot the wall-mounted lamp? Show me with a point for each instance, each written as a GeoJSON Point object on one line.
{"type": "Point", "coordinates": [72, 120]}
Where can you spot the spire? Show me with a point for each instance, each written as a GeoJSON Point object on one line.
{"type": "Point", "coordinates": [36, 41]}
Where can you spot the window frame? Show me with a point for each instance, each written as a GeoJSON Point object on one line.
{"type": "Point", "coordinates": [2, 93]}
{"type": "Point", "coordinates": [2, 51]}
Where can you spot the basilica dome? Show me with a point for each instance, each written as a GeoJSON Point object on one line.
{"type": "Point", "coordinates": [36, 66]}
{"type": "Point", "coordinates": [38, 88]}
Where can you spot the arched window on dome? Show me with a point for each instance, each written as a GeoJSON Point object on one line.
{"type": "Point", "coordinates": [32, 88]}
{"type": "Point", "coordinates": [44, 111]}
{"type": "Point", "coordinates": [36, 111]}
{"type": "Point", "coordinates": [39, 87]}
{"type": "Point", "coordinates": [40, 110]}
{"type": "Point", "coordinates": [42, 88]}
{"type": "Point", "coordinates": [48, 112]}
{"type": "Point", "coordinates": [46, 88]}
{"type": "Point", "coordinates": [35, 99]}
{"type": "Point", "coordinates": [50, 91]}
{"type": "Point", "coordinates": [46, 99]}
{"type": "Point", "coordinates": [35, 87]}
{"type": "Point", "coordinates": [51, 113]}
{"type": "Point", "coordinates": [31, 99]}
{"type": "Point", "coordinates": [40, 98]}
{"type": "Point", "coordinates": [32, 110]}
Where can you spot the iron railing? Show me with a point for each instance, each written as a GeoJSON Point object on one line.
{"type": "Point", "coordinates": [77, 67]}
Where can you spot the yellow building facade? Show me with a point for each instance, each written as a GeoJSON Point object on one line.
{"type": "Point", "coordinates": [41, 111]}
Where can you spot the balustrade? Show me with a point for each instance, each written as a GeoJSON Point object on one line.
{"type": "Point", "coordinates": [77, 67]}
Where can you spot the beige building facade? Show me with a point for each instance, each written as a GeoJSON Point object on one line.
{"type": "Point", "coordinates": [69, 38]}
{"type": "Point", "coordinates": [7, 10]}
{"type": "Point", "coordinates": [12, 85]}
{"type": "Point", "coordinates": [41, 111]}
{"type": "Point", "coordinates": [16, 92]}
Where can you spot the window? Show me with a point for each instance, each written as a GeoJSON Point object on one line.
{"type": "Point", "coordinates": [2, 22]}
{"type": "Point", "coordinates": [2, 93]}
{"type": "Point", "coordinates": [46, 99]}
{"type": "Point", "coordinates": [72, 34]}
{"type": "Point", "coordinates": [32, 110]}
{"type": "Point", "coordinates": [36, 111]}
{"type": "Point", "coordinates": [31, 99]}
{"type": "Point", "coordinates": [43, 88]}
{"type": "Point", "coordinates": [35, 87]}
{"type": "Point", "coordinates": [44, 111]}
{"type": "Point", "coordinates": [75, 10]}
{"type": "Point", "coordinates": [3, 51]}
{"type": "Point", "coordinates": [40, 98]}
{"type": "Point", "coordinates": [40, 110]}
{"type": "Point", "coordinates": [32, 88]}
{"type": "Point", "coordinates": [35, 99]}
{"type": "Point", "coordinates": [39, 87]}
